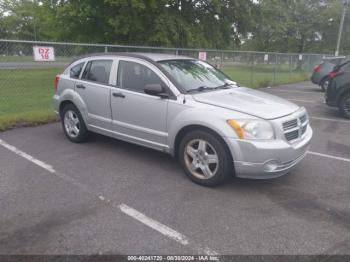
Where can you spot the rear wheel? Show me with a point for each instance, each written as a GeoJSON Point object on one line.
{"type": "Point", "coordinates": [344, 105]}
{"type": "Point", "coordinates": [73, 124]}
{"type": "Point", "coordinates": [324, 84]}
{"type": "Point", "coordinates": [205, 158]}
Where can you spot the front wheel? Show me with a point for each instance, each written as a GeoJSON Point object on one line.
{"type": "Point", "coordinates": [344, 106]}
{"type": "Point", "coordinates": [205, 158]}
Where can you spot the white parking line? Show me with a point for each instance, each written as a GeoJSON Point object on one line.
{"type": "Point", "coordinates": [163, 229]}
{"type": "Point", "coordinates": [296, 86]}
{"type": "Point", "coordinates": [329, 156]}
{"type": "Point", "coordinates": [28, 157]}
{"type": "Point", "coordinates": [299, 100]}
{"type": "Point", "coordinates": [330, 119]}
{"type": "Point", "coordinates": [293, 91]}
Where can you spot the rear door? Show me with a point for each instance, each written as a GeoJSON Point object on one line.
{"type": "Point", "coordinates": [94, 88]}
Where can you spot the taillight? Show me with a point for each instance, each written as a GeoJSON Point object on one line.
{"type": "Point", "coordinates": [317, 68]}
{"type": "Point", "coordinates": [57, 78]}
{"type": "Point", "coordinates": [335, 74]}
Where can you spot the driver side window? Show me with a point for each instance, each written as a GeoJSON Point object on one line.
{"type": "Point", "coordinates": [134, 76]}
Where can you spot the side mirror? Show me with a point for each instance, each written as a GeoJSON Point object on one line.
{"type": "Point", "coordinates": [155, 90]}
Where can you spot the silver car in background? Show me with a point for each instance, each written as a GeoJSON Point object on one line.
{"type": "Point", "coordinates": [184, 107]}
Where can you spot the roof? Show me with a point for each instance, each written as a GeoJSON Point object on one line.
{"type": "Point", "coordinates": [155, 57]}
{"type": "Point", "coordinates": [160, 57]}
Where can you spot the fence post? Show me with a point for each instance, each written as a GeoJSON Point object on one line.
{"type": "Point", "coordinates": [106, 49]}
{"type": "Point", "coordinates": [274, 70]}
{"type": "Point", "coordinates": [290, 67]}
{"type": "Point", "coordinates": [7, 48]}
{"type": "Point", "coordinates": [222, 60]}
{"type": "Point", "coordinates": [252, 70]}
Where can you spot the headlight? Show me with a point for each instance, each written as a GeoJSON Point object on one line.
{"type": "Point", "coordinates": [252, 129]}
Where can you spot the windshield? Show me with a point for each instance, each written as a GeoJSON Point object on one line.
{"type": "Point", "coordinates": [195, 74]}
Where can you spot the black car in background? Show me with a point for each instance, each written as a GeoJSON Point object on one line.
{"type": "Point", "coordinates": [320, 75]}
{"type": "Point", "coordinates": [338, 91]}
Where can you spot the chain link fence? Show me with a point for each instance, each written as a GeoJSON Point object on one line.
{"type": "Point", "coordinates": [26, 86]}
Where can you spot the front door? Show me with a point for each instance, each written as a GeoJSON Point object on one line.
{"type": "Point", "coordinates": [137, 116]}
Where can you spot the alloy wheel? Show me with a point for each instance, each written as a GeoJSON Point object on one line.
{"type": "Point", "coordinates": [201, 159]}
{"type": "Point", "coordinates": [72, 123]}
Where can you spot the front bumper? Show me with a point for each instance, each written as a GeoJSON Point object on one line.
{"type": "Point", "coordinates": [267, 159]}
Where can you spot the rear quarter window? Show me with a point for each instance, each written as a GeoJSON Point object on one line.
{"type": "Point", "coordinates": [75, 71]}
{"type": "Point", "coordinates": [98, 71]}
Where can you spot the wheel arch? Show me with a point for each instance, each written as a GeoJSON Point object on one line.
{"type": "Point", "coordinates": [193, 127]}
{"type": "Point", "coordinates": [323, 79]}
{"type": "Point", "coordinates": [345, 91]}
{"type": "Point", "coordinates": [71, 97]}
{"type": "Point", "coordinates": [63, 104]}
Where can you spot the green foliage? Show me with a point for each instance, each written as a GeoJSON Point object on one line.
{"type": "Point", "coordinates": [263, 25]}
{"type": "Point", "coordinates": [180, 23]}
{"type": "Point", "coordinates": [26, 97]}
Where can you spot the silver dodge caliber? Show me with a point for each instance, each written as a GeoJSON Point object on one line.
{"type": "Point", "coordinates": [184, 107]}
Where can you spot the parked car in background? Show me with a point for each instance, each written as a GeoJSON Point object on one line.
{"type": "Point", "coordinates": [184, 107]}
{"type": "Point", "coordinates": [320, 75]}
{"type": "Point", "coordinates": [338, 92]}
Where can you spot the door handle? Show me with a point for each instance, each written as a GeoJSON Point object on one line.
{"type": "Point", "coordinates": [80, 86]}
{"type": "Point", "coordinates": [121, 95]}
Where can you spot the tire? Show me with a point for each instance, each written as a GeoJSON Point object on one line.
{"type": "Point", "coordinates": [344, 106]}
{"type": "Point", "coordinates": [324, 84]}
{"type": "Point", "coordinates": [73, 124]}
{"type": "Point", "coordinates": [193, 159]}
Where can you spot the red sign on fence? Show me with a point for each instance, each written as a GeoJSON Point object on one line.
{"type": "Point", "coordinates": [43, 53]}
{"type": "Point", "coordinates": [202, 56]}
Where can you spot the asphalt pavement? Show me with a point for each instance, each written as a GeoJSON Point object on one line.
{"type": "Point", "coordinates": [110, 197]}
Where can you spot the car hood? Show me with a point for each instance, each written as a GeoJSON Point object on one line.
{"type": "Point", "coordinates": [249, 101]}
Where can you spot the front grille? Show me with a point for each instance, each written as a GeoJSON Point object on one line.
{"type": "Point", "coordinates": [290, 124]}
{"type": "Point", "coordinates": [295, 128]}
{"type": "Point", "coordinates": [292, 135]}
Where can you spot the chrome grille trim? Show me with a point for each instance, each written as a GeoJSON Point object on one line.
{"type": "Point", "coordinates": [303, 118]}
{"type": "Point", "coordinates": [295, 129]}
{"type": "Point", "coordinates": [290, 124]}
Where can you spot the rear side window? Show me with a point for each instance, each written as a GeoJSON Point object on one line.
{"type": "Point", "coordinates": [98, 71]}
{"type": "Point", "coordinates": [346, 67]}
{"type": "Point", "coordinates": [74, 72]}
{"type": "Point", "coordinates": [335, 61]}
{"type": "Point", "coordinates": [134, 76]}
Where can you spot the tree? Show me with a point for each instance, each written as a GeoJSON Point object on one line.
{"type": "Point", "coordinates": [263, 25]}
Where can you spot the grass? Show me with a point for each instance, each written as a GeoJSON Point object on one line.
{"type": "Point", "coordinates": [264, 76]}
{"type": "Point", "coordinates": [27, 59]}
{"type": "Point", "coordinates": [26, 97]}
{"type": "Point", "coordinates": [26, 94]}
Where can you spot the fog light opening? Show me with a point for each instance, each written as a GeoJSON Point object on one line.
{"type": "Point", "coordinates": [271, 165]}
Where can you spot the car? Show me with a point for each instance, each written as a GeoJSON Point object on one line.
{"type": "Point", "coordinates": [320, 75]}
{"type": "Point", "coordinates": [185, 107]}
{"type": "Point", "coordinates": [338, 93]}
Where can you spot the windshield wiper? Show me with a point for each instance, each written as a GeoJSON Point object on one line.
{"type": "Point", "coordinates": [224, 86]}
{"type": "Point", "coordinates": [200, 89]}
{"type": "Point", "coordinates": [204, 88]}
